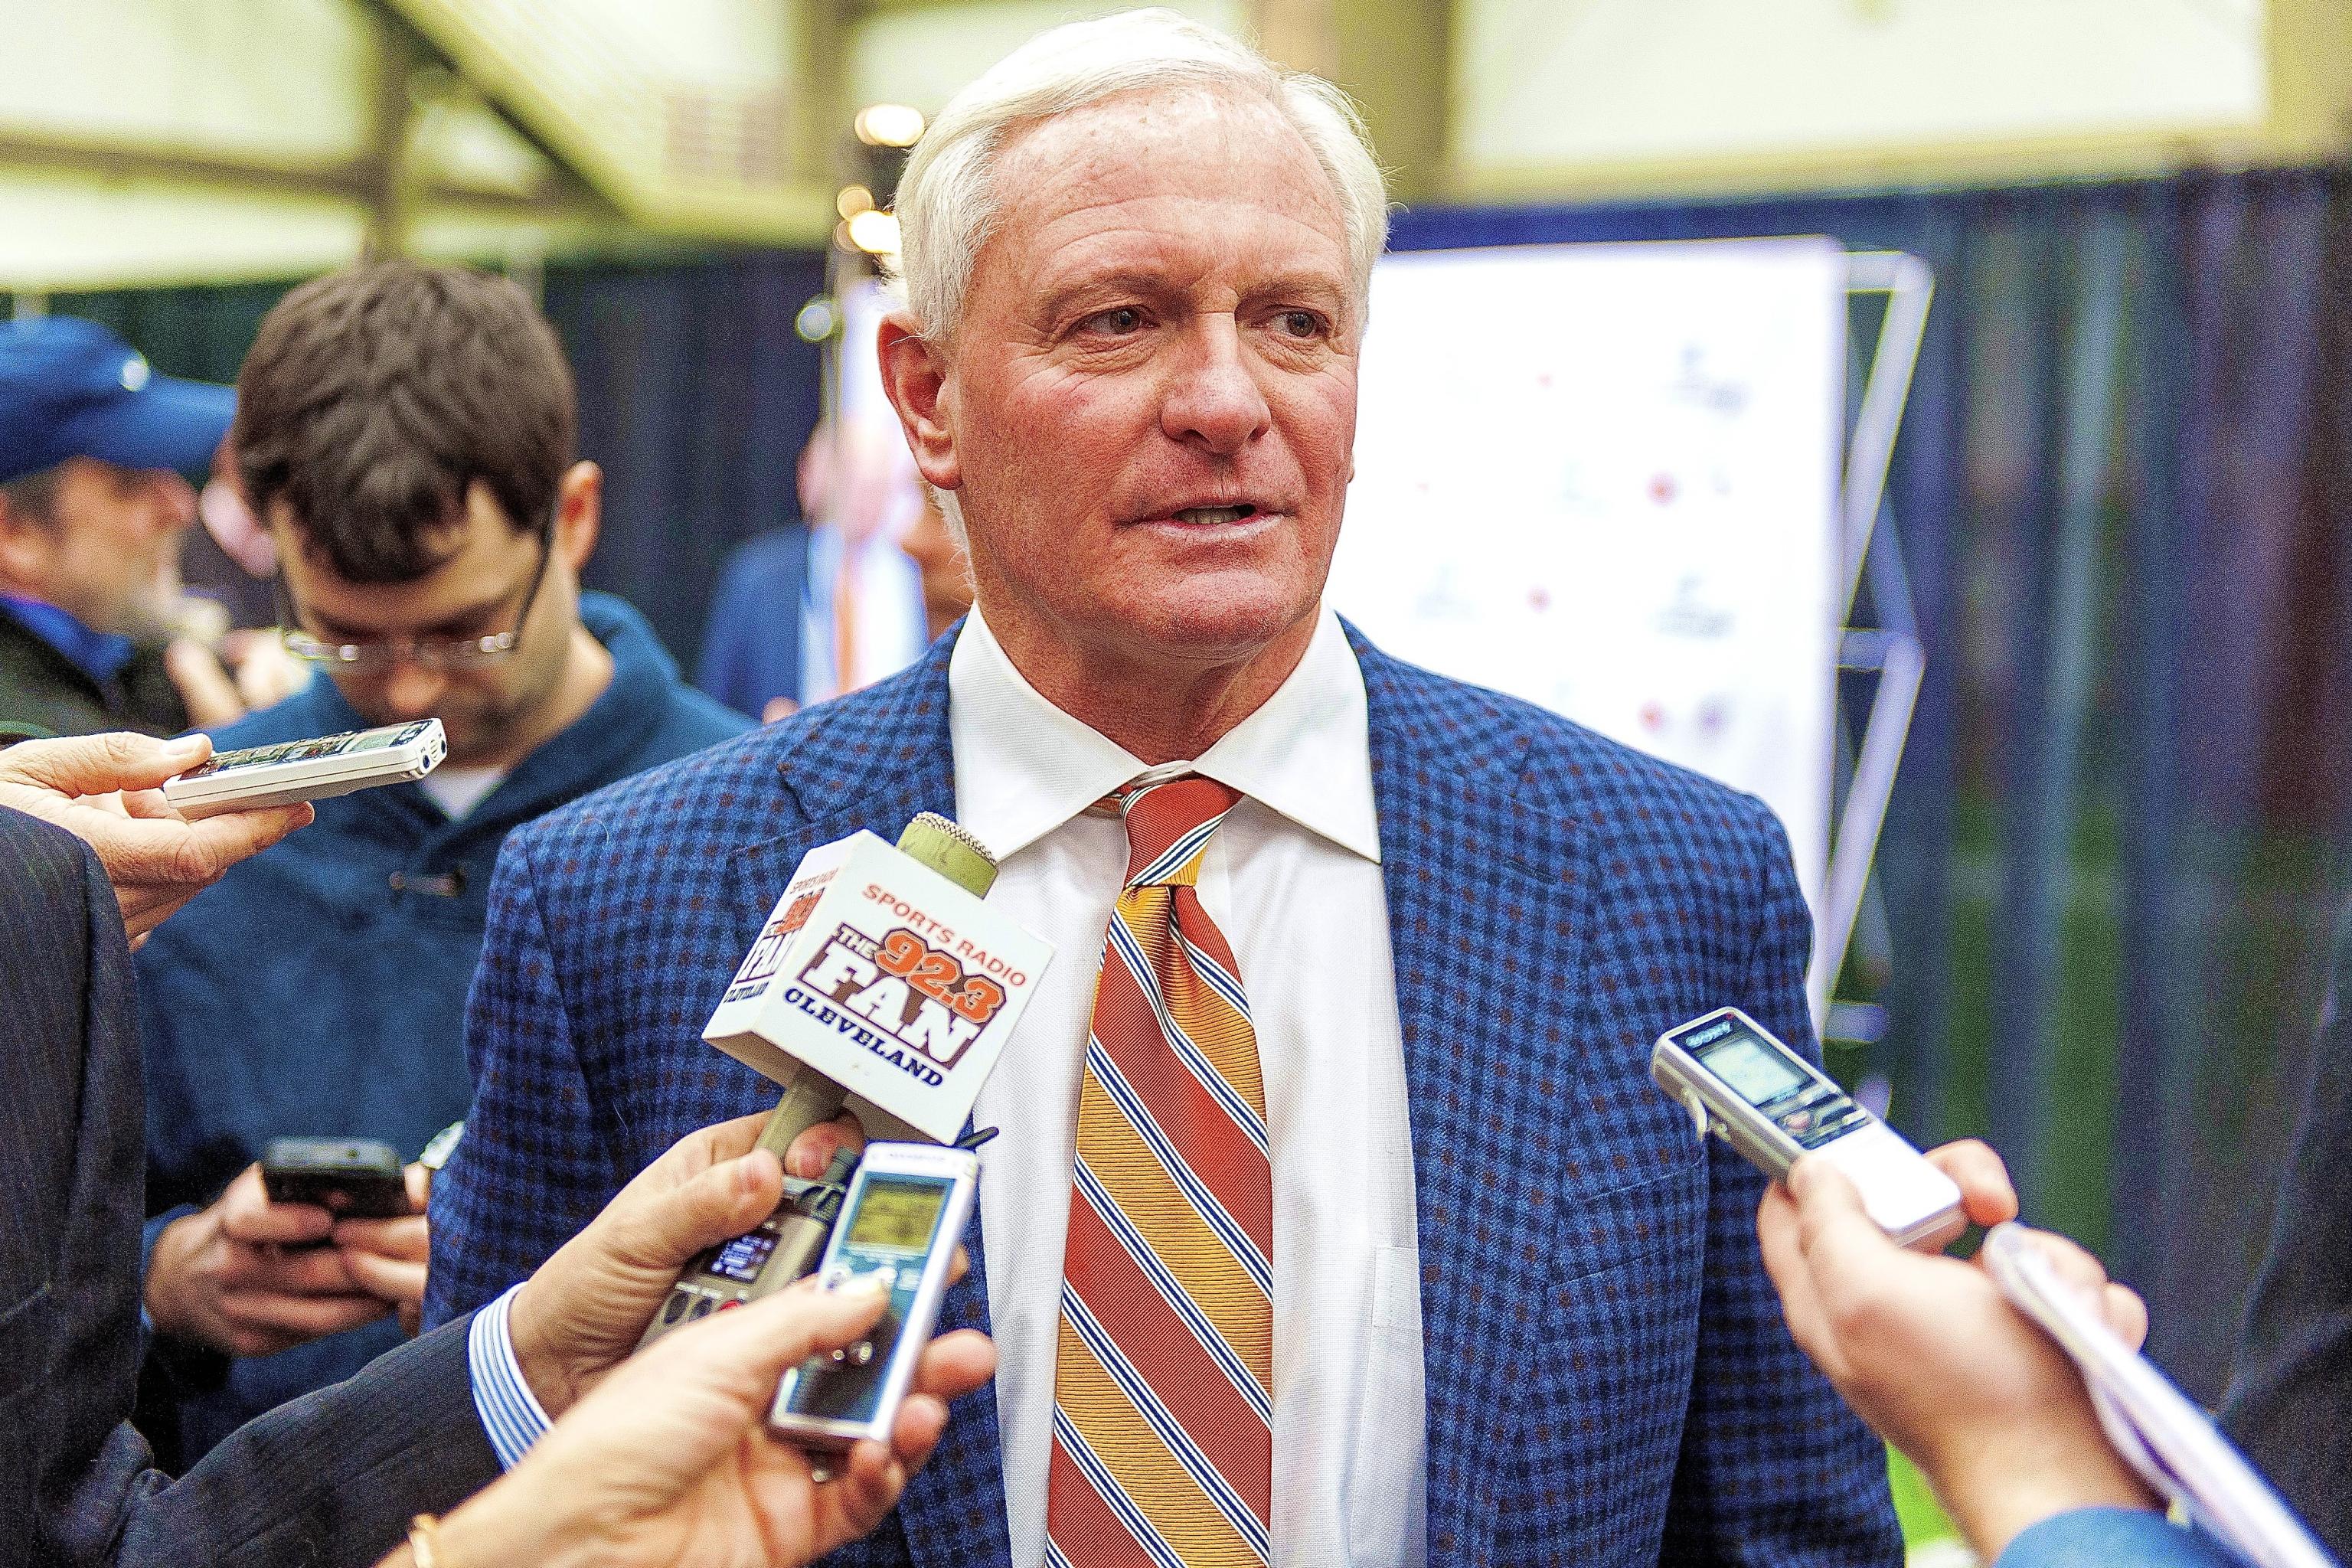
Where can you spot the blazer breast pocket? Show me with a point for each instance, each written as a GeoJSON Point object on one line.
{"type": "Point", "coordinates": [1603, 1404]}
{"type": "Point", "coordinates": [1618, 1226]}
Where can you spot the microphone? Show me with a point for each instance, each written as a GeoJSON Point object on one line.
{"type": "Point", "coordinates": [881, 981]}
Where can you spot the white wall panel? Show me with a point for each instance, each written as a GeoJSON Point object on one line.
{"type": "Point", "coordinates": [1551, 83]}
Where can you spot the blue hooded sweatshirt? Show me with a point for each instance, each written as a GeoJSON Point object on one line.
{"type": "Point", "coordinates": [320, 989]}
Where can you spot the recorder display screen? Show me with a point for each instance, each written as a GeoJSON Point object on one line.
{"type": "Point", "coordinates": [1758, 1074]}
{"type": "Point", "coordinates": [742, 1259]}
{"type": "Point", "coordinates": [897, 1214]}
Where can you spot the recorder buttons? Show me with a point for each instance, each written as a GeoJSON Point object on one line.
{"type": "Point", "coordinates": [674, 1305]}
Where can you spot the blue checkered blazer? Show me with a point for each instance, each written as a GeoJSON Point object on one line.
{"type": "Point", "coordinates": [1609, 1380]}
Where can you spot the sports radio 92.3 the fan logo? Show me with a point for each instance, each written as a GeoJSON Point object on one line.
{"type": "Point", "coordinates": [916, 998]}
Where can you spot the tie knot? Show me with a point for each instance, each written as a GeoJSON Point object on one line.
{"type": "Point", "coordinates": [1169, 825]}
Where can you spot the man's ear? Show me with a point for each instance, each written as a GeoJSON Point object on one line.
{"type": "Point", "coordinates": [915, 375]}
{"type": "Point", "coordinates": [578, 514]}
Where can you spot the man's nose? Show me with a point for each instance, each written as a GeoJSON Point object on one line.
{"type": "Point", "coordinates": [411, 691]}
{"type": "Point", "coordinates": [1216, 401]}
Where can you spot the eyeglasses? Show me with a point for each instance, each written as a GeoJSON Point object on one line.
{"type": "Point", "coordinates": [428, 653]}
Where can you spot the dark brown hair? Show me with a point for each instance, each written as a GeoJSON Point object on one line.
{"type": "Point", "coordinates": [375, 396]}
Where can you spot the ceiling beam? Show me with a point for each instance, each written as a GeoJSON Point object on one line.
{"type": "Point", "coordinates": [349, 180]}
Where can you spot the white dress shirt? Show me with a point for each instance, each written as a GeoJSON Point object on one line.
{"type": "Point", "coordinates": [1293, 880]}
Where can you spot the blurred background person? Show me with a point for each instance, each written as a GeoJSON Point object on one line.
{"type": "Point", "coordinates": [406, 434]}
{"type": "Point", "coordinates": [93, 445]}
{"type": "Point", "coordinates": [865, 618]}
{"type": "Point", "coordinates": [2290, 1402]}
{"type": "Point", "coordinates": [875, 574]}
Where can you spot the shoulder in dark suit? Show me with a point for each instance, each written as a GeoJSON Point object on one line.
{"type": "Point", "coordinates": [2290, 1402]}
{"type": "Point", "coordinates": [1609, 1380]}
{"type": "Point", "coordinates": [330, 1481]}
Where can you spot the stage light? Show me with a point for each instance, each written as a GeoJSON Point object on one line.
{"type": "Point", "coordinates": [888, 125]}
{"type": "Point", "coordinates": [853, 200]}
{"type": "Point", "coordinates": [875, 233]}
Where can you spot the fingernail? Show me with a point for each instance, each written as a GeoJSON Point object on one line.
{"type": "Point", "coordinates": [747, 1175]}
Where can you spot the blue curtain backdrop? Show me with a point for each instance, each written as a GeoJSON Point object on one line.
{"type": "Point", "coordinates": [2113, 855]}
{"type": "Point", "coordinates": [2111, 861]}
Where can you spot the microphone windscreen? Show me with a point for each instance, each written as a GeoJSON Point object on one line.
{"type": "Point", "coordinates": [951, 850]}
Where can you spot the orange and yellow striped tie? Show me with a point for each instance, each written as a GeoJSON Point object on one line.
{"type": "Point", "coordinates": [1163, 1376]}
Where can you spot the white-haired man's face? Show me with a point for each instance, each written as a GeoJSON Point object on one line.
{"type": "Point", "coordinates": [1149, 409]}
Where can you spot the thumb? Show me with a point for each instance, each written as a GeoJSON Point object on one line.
{"type": "Point", "coordinates": [1833, 1229]}
{"type": "Point", "coordinates": [662, 1228]}
{"type": "Point", "coordinates": [100, 764]}
{"type": "Point", "coordinates": [748, 1351]}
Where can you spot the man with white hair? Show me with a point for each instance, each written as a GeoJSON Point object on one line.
{"type": "Point", "coordinates": [1334, 1219]}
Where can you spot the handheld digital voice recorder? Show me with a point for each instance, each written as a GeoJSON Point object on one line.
{"type": "Point", "coordinates": [905, 1212]}
{"type": "Point", "coordinates": [1772, 1105]}
{"type": "Point", "coordinates": [764, 1260]}
{"type": "Point", "coordinates": [319, 769]}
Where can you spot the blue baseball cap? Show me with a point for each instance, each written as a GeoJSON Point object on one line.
{"type": "Point", "coordinates": [70, 388]}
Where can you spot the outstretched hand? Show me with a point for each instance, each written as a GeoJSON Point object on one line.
{"type": "Point", "coordinates": [106, 791]}
{"type": "Point", "coordinates": [1929, 1350]}
{"type": "Point", "coordinates": [670, 1460]}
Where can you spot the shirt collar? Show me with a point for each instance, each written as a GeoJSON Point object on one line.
{"type": "Point", "coordinates": [1023, 767]}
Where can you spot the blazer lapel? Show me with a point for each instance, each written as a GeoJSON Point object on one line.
{"type": "Point", "coordinates": [1487, 904]}
{"type": "Point", "coordinates": [873, 761]}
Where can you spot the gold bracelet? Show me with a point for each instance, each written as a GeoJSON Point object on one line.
{"type": "Point", "coordinates": [424, 1540]}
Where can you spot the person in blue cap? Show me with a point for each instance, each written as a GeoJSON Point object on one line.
{"type": "Point", "coordinates": [92, 506]}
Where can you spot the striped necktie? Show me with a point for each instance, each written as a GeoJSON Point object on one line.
{"type": "Point", "coordinates": [1163, 1374]}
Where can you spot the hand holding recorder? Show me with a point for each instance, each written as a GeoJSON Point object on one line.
{"type": "Point", "coordinates": [107, 790]}
{"type": "Point", "coordinates": [670, 1461]}
{"type": "Point", "coordinates": [248, 1277]}
{"type": "Point", "coordinates": [1928, 1350]}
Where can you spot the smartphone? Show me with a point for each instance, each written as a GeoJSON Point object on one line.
{"type": "Point", "coordinates": [1747, 1088]}
{"type": "Point", "coordinates": [308, 770]}
{"type": "Point", "coordinates": [351, 1178]}
{"type": "Point", "coordinates": [901, 1221]}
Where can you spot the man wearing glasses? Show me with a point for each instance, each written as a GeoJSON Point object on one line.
{"type": "Point", "coordinates": [406, 434]}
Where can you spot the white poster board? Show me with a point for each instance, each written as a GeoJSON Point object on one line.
{"type": "Point", "coordinates": [1604, 478]}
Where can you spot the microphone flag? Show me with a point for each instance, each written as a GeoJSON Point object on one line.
{"type": "Point", "coordinates": [889, 976]}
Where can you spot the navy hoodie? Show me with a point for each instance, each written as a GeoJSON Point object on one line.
{"type": "Point", "coordinates": [320, 989]}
